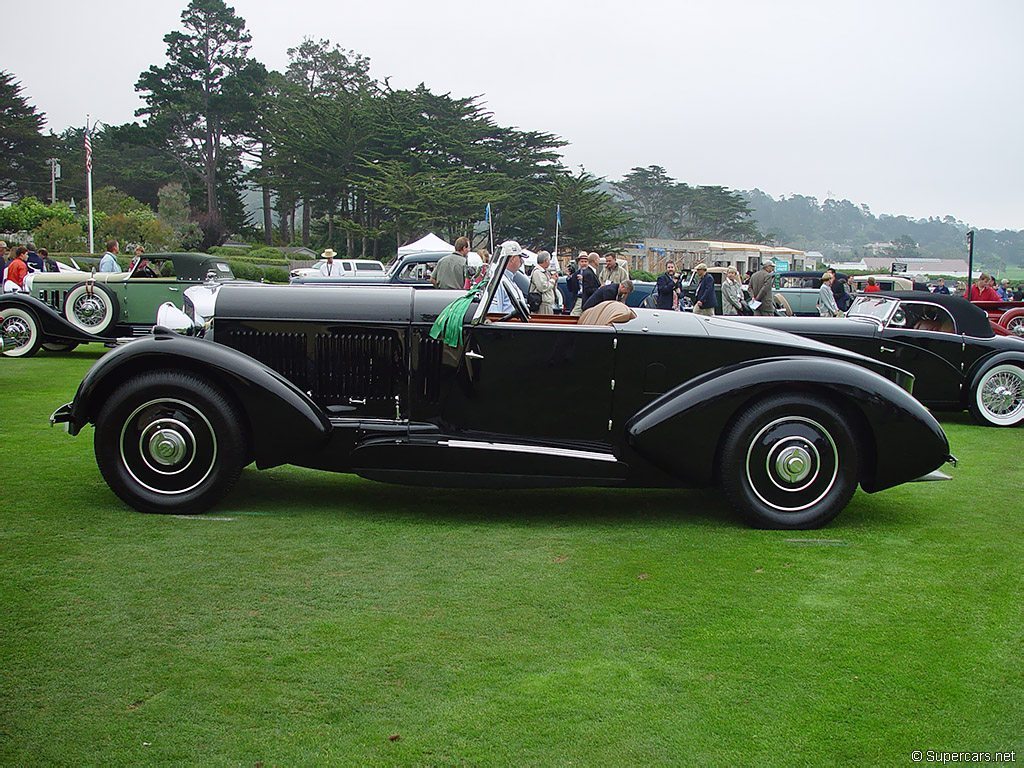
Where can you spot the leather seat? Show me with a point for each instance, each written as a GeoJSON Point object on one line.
{"type": "Point", "coordinates": [607, 313]}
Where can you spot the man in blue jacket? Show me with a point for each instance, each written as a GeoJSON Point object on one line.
{"type": "Point", "coordinates": [667, 287]}
{"type": "Point", "coordinates": [705, 301]}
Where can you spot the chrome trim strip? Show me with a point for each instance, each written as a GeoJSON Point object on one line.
{"type": "Point", "coordinates": [515, 448]}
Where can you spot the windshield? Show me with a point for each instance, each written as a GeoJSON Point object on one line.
{"type": "Point", "coordinates": [875, 307]}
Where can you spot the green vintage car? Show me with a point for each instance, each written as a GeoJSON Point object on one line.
{"type": "Point", "coordinates": [112, 304]}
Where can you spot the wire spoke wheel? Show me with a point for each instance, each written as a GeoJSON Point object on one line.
{"type": "Point", "coordinates": [999, 396]}
{"type": "Point", "coordinates": [91, 308]}
{"type": "Point", "coordinates": [20, 332]}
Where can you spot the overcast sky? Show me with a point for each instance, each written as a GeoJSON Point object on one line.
{"type": "Point", "coordinates": [909, 107]}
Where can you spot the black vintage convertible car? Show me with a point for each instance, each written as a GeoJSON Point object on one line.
{"type": "Point", "coordinates": [352, 380]}
{"type": "Point", "coordinates": [958, 361]}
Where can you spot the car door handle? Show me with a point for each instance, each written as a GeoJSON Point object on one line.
{"type": "Point", "coordinates": [474, 355]}
{"type": "Point", "coordinates": [887, 349]}
{"type": "Point", "coordinates": [173, 289]}
{"type": "Point", "coordinates": [356, 401]}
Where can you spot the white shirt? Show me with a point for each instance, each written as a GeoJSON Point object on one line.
{"type": "Point", "coordinates": [109, 263]}
{"type": "Point", "coordinates": [327, 269]}
{"type": "Point", "coordinates": [501, 303]}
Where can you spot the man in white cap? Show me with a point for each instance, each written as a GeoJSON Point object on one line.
{"type": "Point", "coordinates": [502, 301]}
{"type": "Point", "coordinates": [327, 268]}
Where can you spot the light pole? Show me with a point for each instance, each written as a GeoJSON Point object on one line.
{"type": "Point", "coordinates": [54, 175]}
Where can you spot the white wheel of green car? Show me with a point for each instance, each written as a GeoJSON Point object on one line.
{"type": "Point", "coordinates": [998, 397]}
{"type": "Point", "coordinates": [20, 331]}
{"type": "Point", "coordinates": [59, 346]}
{"type": "Point", "coordinates": [92, 309]}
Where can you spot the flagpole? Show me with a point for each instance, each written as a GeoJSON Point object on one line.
{"type": "Point", "coordinates": [88, 180]}
{"type": "Point", "coordinates": [490, 228]}
{"type": "Point", "coordinates": [558, 223]}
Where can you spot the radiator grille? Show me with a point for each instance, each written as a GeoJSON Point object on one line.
{"type": "Point", "coordinates": [333, 366]}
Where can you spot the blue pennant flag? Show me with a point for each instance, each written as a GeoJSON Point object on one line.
{"type": "Point", "coordinates": [558, 214]}
{"type": "Point", "coordinates": [487, 213]}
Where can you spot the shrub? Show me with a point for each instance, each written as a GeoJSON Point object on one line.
{"type": "Point", "coordinates": [28, 213]}
{"type": "Point", "coordinates": [276, 275]}
{"type": "Point", "coordinates": [234, 251]}
{"type": "Point", "coordinates": [56, 235]}
{"type": "Point", "coordinates": [639, 274]}
{"type": "Point", "coordinates": [265, 252]}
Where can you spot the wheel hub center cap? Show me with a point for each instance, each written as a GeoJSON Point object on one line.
{"type": "Point", "coordinates": [89, 308]}
{"type": "Point", "coordinates": [793, 464]}
{"type": "Point", "coordinates": [167, 447]}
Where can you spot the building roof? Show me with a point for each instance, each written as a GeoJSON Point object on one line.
{"type": "Point", "coordinates": [721, 245]}
{"type": "Point", "coordinates": [957, 267]}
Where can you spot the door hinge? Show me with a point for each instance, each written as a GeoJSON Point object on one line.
{"type": "Point", "coordinates": [609, 425]}
{"type": "Point", "coordinates": [615, 343]}
{"type": "Point", "coordinates": [613, 385]}
{"type": "Point", "coordinates": [398, 408]}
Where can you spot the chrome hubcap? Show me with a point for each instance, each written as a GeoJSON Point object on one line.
{"type": "Point", "coordinates": [89, 310]}
{"type": "Point", "coordinates": [793, 464]}
{"type": "Point", "coordinates": [167, 447]}
{"type": "Point", "coordinates": [16, 331]}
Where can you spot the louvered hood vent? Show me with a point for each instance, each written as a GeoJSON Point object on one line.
{"type": "Point", "coordinates": [333, 366]}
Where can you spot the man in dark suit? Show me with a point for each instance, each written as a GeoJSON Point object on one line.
{"type": "Point", "coordinates": [705, 301]}
{"type": "Point", "coordinates": [666, 288]}
{"type": "Point", "coordinates": [610, 292]}
{"type": "Point", "coordinates": [587, 283]}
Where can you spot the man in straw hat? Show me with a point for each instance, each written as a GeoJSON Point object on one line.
{"type": "Point", "coordinates": [327, 269]}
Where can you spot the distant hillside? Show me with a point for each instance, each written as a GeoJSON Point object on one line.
{"type": "Point", "coordinates": [840, 228]}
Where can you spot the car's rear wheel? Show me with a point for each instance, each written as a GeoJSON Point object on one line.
{"type": "Point", "coordinates": [1013, 321]}
{"type": "Point", "coordinates": [789, 462]}
{"type": "Point", "coordinates": [170, 442]}
{"type": "Point", "coordinates": [998, 396]}
{"type": "Point", "coordinates": [20, 331]}
{"type": "Point", "coordinates": [59, 346]}
{"type": "Point", "coordinates": [91, 308]}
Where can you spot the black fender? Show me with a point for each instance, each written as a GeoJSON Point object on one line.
{"type": "Point", "coordinates": [283, 422]}
{"type": "Point", "coordinates": [52, 324]}
{"type": "Point", "coordinates": [681, 431]}
{"type": "Point", "coordinates": [985, 363]}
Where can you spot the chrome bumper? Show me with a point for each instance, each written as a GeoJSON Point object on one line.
{"type": "Point", "coordinates": [62, 416]}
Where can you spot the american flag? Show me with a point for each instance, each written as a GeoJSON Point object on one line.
{"type": "Point", "coordinates": [88, 152]}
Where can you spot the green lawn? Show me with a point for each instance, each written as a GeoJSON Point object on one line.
{"type": "Point", "coordinates": [323, 619]}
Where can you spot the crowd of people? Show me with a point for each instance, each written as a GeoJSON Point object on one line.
{"type": "Point", "coordinates": [26, 259]}
{"type": "Point", "coordinates": [986, 288]}
{"type": "Point", "coordinates": [22, 261]}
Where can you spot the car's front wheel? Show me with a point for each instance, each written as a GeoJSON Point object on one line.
{"type": "Point", "coordinates": [789, 462]}
{"type": "Point", "coordinates": [20, 331]}
{"type": "Point", "coordinates": [1013, 321]}
{"type": "Point", "coordinates": [998, 396]}
{"type": "Point", "coordinates": [170, 442]}
{"type": "Point", "coordinates": [91, 308]}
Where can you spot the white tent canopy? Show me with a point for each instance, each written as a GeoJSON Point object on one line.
{"type": "Point", "coordinates": [428, 243]}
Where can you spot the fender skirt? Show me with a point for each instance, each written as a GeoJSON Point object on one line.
{"type": "Point", "coordinates": [681, 432]}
